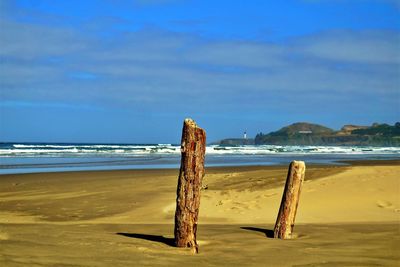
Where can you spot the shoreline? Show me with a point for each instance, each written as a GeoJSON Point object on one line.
{"type": "Point", "coordinates": [338, 163]}
{"type": "Point", "coordinates": [232, 158]}
{"type": "Point", "coordinates": [251, 184]}
{"type": "Point", "coordinates": [126, 217]}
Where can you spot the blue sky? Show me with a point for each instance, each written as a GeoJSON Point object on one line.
{"type": "Point", "coordinates": [131, 71]}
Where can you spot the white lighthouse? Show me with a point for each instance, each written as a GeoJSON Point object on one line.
{"type": "Point", "coordinates": [244, 135]}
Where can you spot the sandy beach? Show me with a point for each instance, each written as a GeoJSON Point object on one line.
{"type": "Point", "coordinates": [348, 216]}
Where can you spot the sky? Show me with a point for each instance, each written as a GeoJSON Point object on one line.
{"type": "Point", "coordinates": [119, 71]}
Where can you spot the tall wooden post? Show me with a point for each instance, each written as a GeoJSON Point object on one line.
{"type": "Point", "coordinates": [193, 147]}
{"type": "Point", "coordinates": [290, 200]}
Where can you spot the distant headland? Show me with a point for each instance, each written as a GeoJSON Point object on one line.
{"type": "Point", "coordinates": [303, 133]}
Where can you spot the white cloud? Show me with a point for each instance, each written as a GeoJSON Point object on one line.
{"type": "Point", "coordinates": [29, 41]}
{"type": "Point", "coordinates": [241, 54]}
{"type": "Point", "coordinates": [153, 68]}
{"type": "Point", "coordinates": [365, 47]}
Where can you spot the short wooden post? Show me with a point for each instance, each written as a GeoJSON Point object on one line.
{"type": "Point", "coordinates": [193, 147]}
{"type": "Point", "coordinates": [290, 200]}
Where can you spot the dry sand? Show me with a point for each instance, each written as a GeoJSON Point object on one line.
{"type": "Point", "coordinates": [348, 216]}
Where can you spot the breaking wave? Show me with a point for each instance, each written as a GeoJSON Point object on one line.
{"type": "Point", "coordinates": [129, 150]}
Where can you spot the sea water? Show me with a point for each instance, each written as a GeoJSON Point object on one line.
{"type": "Point", "coordinates": [45, 157]}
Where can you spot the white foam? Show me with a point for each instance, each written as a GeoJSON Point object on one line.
{"type": "Point", "coordinates": [168, 149]}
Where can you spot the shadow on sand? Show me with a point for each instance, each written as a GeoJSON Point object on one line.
{"type": "Point", "coordinates": [267, 232]}
{"type": "Point", "coordinates": [154, 238]}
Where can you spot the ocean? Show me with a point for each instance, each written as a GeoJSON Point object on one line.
{"type": "Point", "coordinates": [57, 157]}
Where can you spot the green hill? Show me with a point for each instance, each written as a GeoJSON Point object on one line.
{"type": "Point", "coordinates": [303, 133]}
{"type": "Point", "coordinates": [303, 127]}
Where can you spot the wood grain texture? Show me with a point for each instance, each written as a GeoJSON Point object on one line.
{"type": "Point", "coordinates": [290, 200]}
{"type": "Point", "coordinates": [193, 147]}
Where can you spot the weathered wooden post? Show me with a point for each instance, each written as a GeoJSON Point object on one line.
{"type": "Point", "coordinates": [290, 200]}
{"type": "Point", "coordinates": [193, 148]}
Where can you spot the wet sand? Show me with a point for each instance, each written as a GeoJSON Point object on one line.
{"type": "Point", "coordinates": [348, 216]}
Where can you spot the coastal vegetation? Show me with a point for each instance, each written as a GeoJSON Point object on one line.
{"type": "Point", "coordinates": [303, 133]}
